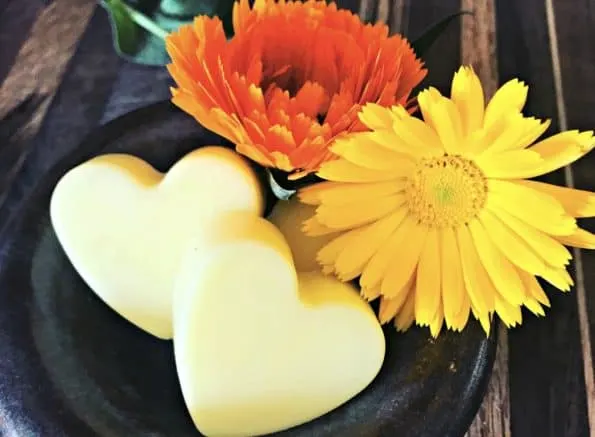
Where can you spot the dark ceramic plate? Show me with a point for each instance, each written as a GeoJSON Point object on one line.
{"type": "Point", "coordinates": [70, 366]}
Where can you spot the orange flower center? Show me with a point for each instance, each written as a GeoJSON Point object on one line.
{"type": "Point", "coordinates": [448, 191]}
{"type": "Point", "coordinates": [289, 67]}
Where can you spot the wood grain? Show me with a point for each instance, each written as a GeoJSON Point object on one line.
{"type": "Point", "coordinates": [38, 67]}
{"type": "Point", "coordinates": [444, 57]}
{"type": "Point", "coordinates": [397, 20]}
{"type": "Point", "coordinates": [493, 417]}
{"type": "Point", "coordinates": [43, 57]}
{"type": "Point", "coordinates": [547, 392]}
{"type": "Point", "coordinates": [77, 107]}
{"type": "Point", "coordinates": [367, 10]}
{"type": "Point", "coordinates": [573, 61]}
{"type": "Point", "coordinates": [478, 49]}
{"type": "Point", "coordinates": [478, 42]}
{"type": "Point", "coordinates": [16, 19]}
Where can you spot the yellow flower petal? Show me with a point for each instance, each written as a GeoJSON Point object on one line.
{"type": "Point", "coordinates": [443, 115]}
{"type": "Point", "coordinates": [477, 283]}
{"type": "Point", "coordinates": [341, 170]}
{"type": "Point", "coordinates": [378, 265]}
{"type": "Point", "coordinates": [517, 133]}
{"type": "Point", "coordinates": [363, 149]}
{"type": "Point", "coordinates": [313, 228]}
{"type": "Point", "coordinates": [511, 164]}
{"type": "Point", "coordinates": [510, 314]}
{"type": "Point", "coordinates": [394, 141]}
{"type": "Point", "coordinates": [415, 134]}
{"type": "Point", "coordinates": [467, 94]}
{"type": "Point", "coordinates": [510, 97]}
{"type": "Point", "coordinates": [577, 203]}
{"type": "Point", "coordinates": [426, 100]}
{"type": "Point", "coordinates": [360, 249]}
{"type": "Point", "coordinates": [404, 318]}
{"type": "Point", "coordinates": [481, 139]}
{"type": "Point", "coordinates": [546, 247]}
{"type": "Point", "coordinates": [352, 215]}
{"type": "Point", "coordinates": [436, 324]}
{"type": "Point", "coordinates": [502, 273]}
{"type": "Point", "coordinates": [484, 319]}
{"type": "Point", "coordinates": [558, 277]}
{"type": "Point", "coordinates": [341, 193]}
{"type": "Point", "coordinates": [328, 254]}
{"type": "Point", "coordinates": [404, 264]}
{"type": "Point", "coordinates": [534, 306]}
{"type": "Point", "coordinates": [389, 307]}
{"type": "Point", "coordinates": [560, 150]}
{"type": "Point", "coordinates": [401, 291]}
{"type": "Point", "coordinates": [533, 288]}
{"type": "Point", "coordinates": [370, 293]}
{"type": "Point", "coordinates": [513, 248]}
{"type": "Point", "coordinates": [453, 287]}
{"type": "Point", "coordinates": [460, 321]}
{"type": "Point", "coordinates": [533, 207]}
{"type": "Point", "coordinates": [375, 116]}
{"type": "Point", "coordinates": [427, 295]}
{"type": "Point", "coordinates": [580, 238]}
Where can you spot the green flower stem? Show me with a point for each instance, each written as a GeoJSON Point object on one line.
{"type": "Point", "coordinates": [279, 192]}
{"type": "Point", "coordinates": [145, 22]}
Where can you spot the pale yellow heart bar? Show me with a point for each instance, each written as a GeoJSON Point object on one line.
{"type": "Point", "coordinates": [124, 226]}
{"type": "Point", "coordinates": [260, 348]}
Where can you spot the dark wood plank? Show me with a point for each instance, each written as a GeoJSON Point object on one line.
{"type": "Point", "coordinates": [478, 41]}
{"type": "Point", "coordinates": [493, 417]}
{"type": "Point", "coordinates": [478, 49]}
{"type": "Point", "coordinates": [43, 57]}
{"type": "Point", "coordinates": [545, 357]}
{"type": "Point", "coordinates": [38, 67]}
{"type": "Point", "coordinates": [575, 32]}
{"type": "Point", "coordinates": [77, 107]}
{"type": "Point", "coordinates": [443, 58]}
{"type": "Point", "coordinates": [16, 19]}
{"type": "Point", "coordinates": [398, 18]}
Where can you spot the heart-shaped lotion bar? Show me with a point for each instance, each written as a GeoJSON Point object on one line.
{"type": "Point", "coordinates": [260, 348]}
{"type": "Point", "coordinates": [125, 226]}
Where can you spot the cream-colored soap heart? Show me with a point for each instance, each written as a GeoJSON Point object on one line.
{"type": "Point", "coordinates": [260, 348]}
{"type": "Point", "coordinates": [125, 226]}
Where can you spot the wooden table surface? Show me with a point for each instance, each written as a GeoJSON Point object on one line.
{"type": "Point", "coordinates": [543, 383]}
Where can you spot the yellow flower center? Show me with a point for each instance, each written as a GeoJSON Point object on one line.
{"type": "Point", "coordinates": [446, 192]}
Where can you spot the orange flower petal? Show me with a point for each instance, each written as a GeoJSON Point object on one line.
{"type": "Point", "coordinates": [293, 77]}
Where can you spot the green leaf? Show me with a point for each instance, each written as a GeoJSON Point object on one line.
{"type": "Point", "coordinates": [431, 34]}
{"type": "Point", "coordinates": [139, 27]}
{"type": "Point", "coordinates": [124, 29]}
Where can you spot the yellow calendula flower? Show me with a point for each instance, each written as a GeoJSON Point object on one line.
{"type": "Point", "coordinates": [437, 217]}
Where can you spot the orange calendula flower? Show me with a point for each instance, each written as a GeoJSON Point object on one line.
{"type": "Point", "coordinates": [437, 216]}
{"type": "Point", "coordinates": [292, 78]}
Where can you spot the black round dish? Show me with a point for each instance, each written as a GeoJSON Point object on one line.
{"type": "Point", "coordinates": [70, 366]}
